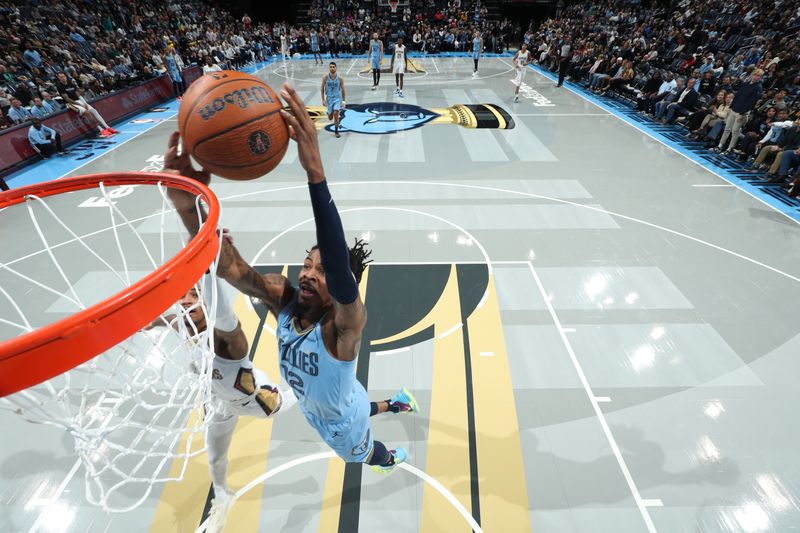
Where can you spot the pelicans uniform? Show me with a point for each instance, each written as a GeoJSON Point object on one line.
{"type": "Point", "coordinates": [523, 58]}
{"type": "Point", "coordinates": [328, 393]}
{"type": "Point", "coordinates": [399, 66]}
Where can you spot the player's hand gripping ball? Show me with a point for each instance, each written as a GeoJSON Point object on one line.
{"type": "Point", "coordinates": [230, 124]}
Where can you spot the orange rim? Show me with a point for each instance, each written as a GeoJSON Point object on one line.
{"type": "Point", "coordinates": [55, 348]}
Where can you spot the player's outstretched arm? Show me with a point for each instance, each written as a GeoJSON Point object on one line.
{"type": "Point", "coordinates": [273, 289]}
{"type": "Point", "coordinates": [350, 314]}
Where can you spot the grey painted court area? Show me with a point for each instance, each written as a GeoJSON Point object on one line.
{"type": "Point", "coordinates": [651, 327]}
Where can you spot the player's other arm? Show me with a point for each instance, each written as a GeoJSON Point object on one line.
{"type": "Point", "coordinates": [322, 90]}
{"type": "Point", "coordinates": [341, 86]}
{"type": "Point", "coordinates": [350, 314]}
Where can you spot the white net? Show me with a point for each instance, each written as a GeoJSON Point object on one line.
{"type": "Point", "coordinates": [136, 412]}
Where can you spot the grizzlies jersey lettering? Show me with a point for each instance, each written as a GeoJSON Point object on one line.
{"type": "Point", "coordinates": [333, 90]}
{"type": "Point", "coordinates": [324, 386]}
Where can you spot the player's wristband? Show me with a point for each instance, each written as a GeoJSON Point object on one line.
{"type": "Point", "coordinates": [333, 249]}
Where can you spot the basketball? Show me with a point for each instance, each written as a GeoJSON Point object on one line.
{"type": "Point", "coordinates": [230, 124]}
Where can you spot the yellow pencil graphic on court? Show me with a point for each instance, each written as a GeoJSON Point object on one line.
{"type": "Point", "coordinates": [388, 117]}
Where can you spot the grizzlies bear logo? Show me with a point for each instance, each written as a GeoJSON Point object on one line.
{"type": "Point", "coordinates": [382, 117]}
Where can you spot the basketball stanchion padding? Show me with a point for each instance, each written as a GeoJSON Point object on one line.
{"type": "Point", "coordinates": [127, 373]}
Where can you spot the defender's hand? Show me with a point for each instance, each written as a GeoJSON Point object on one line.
{"type": "Point", "coordinates": [304, 133]}
{"type": "Point", "coordinates": [181, 165]}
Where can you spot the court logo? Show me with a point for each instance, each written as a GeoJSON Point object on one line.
{"type": "Point", "coordinates": [383, 117]}
{"type": "Point", "coordinates": [258, 142]}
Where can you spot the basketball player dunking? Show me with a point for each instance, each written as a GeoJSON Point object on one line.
{"type": "Point", "coordinates": [333, 96]}
{"type": "Point", "coordinates": [521, 60]}
{"type": "Point", "coordinates": [399, 66]}
{"type": "Point", "coordinates": [315, 47]}
{"type": "Point", "coordinates": [375, 58]}
{"type": "Point", "coordinates": [477, 48]}
{"type": "Point", "coordinates": [320, 320]}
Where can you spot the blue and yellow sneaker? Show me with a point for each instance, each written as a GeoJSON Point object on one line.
{"type": "Point", "coordinates": [400, 455]}
{"type": "Point", "coordinates": [403, 402]}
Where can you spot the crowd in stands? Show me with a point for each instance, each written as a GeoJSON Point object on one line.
{"type": "Point", "coordinates": [427, 26]}
{"type": "Point", "coordinates": [102, 47]}
{"type": "Point", "coordinates": [727, 71]}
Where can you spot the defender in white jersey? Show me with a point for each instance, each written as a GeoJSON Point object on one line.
{"type": "Point", "coordinates": [285, 47]}
{"type": "Point", "coordinates": [320, 321]}
{"type": "Point", "coordinates": [399, 66]}
{"type": "Point", "coordinates": [237, 387]}
{"type": "Point", "coordinates": [521, 60]}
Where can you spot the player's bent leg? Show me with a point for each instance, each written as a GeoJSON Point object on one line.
{"type": "Point", "coordinates": [218, 440]}
{"type": "Point", "coordinates": [402, 402]}
{"type": "Point", "coordinates": [384, 461]}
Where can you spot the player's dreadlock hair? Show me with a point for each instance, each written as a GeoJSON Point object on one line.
{"type": "Point", "coordinates": [358, 257]}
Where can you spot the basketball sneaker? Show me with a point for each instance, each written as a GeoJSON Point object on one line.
{"type": "Point", "coordinates": [105, 133]}
{"type": "Point", "coordinates": [220, 509]}
{"type": "Point", "coordinates": [112, 130]}
{"type": "Point", "coordinates": [403, 402]}
{"type": "Point", "coordinates": [374, 88]}
{"type": "Point", "coordinates": [396, 92]}
{"type": "Point", "coordinates": [400, 94]}
{"type": "Point", "coordinates": [516, 98]}
{"type": "Point", "coordinates": [400, 455]}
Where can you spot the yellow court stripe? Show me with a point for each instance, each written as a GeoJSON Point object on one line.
{"type": "Point", "coordinates": [334, 480]}
{"type": "Point", "coordinates": [250, 445]}
{"type": "Point", "coordinates": [181, 504]}
{"type": "Point", "coordinates": [448, 444]}
{"type": "Point", "coordinates": [500, 119]}
{"type": "Point", "coordinates": [503, 492]}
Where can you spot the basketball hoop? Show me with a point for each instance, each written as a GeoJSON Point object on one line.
{"type": "Point", "coordinates": [126, 387]}
{"type": "Point", "coordinates": [393, 5]}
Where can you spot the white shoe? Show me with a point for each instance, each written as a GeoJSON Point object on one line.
{"type": "Point", "coordinates": [516, 98]}
{"type": "Point", "coordinates": [396, 92]}
{"type": "Point", "coordinates": [374, 88]}
{"type": "Point", "coordinates": [218, 515]}
{"type": "Point", "coordinates": [400, 94]}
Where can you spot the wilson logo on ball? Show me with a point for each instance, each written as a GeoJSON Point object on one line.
{"type": "Point", "coordinates": [242, 98]}
{"type": "Point", "coordinates": [258, 142]}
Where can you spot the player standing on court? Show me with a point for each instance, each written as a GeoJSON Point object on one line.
{"type": "Point", "coordinates": [333, 96]}
{"type": "Point", "coordinates": [315, 46]}
{"type": "Point", "coordinates": [321, 320]}
{"type": "Point", "coordinates": [399, 66]}
{"type": "Point", "coordinates": [521, 60]}
{"type": "Point", "coordinates": [285, 47]}
{"type": "Point", "coordinates": [477, 48]}
{"type": "Point", "coordinates": [174, 67]}
{"type": "Point", "coordinates": [375, 58]}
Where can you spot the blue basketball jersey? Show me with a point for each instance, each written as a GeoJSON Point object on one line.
{"type": "Point", "coordinates": [476, 45]}
{"type": "Point", "coordinates": [375, 49]}
{"type": "Point", "coordinates": [326, 388]}
{"type": "Point", "coordinates": [314, 41]}
{"type": "Point", "coordinates": [333, 91]}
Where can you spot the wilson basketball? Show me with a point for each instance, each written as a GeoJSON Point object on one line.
{"type": "Point", "coordinates": [231, 125]}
